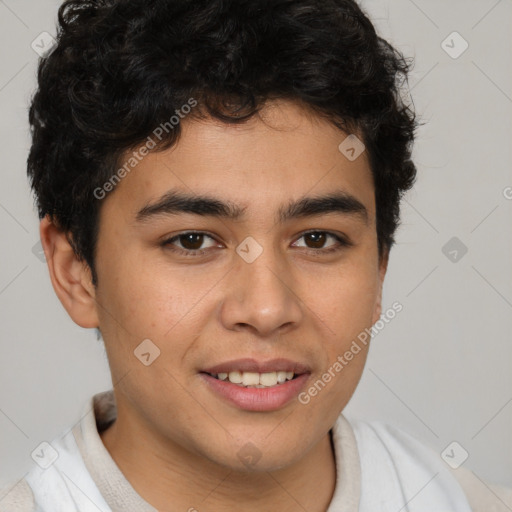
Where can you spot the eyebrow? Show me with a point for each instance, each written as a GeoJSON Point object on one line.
{"type": "Point", "coordinates": [175, 202]}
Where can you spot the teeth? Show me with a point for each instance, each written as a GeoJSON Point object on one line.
{"type": "Point", "coordinates": [235, 377]}
{"type": "Point", "coordinates": [268, 379]}
{"type": "Point", "coordinates": [253, 379]}
{"type": "Point", "coordinates": [250, 379]}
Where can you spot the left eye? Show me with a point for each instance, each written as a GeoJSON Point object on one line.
{"type": "Point", "coordinates": [318, 239]}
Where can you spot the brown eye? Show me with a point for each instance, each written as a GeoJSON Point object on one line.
{"type": "Point", "coordinates": [316, 240]}
{"type": "Point", "coordinates": [190, 243]}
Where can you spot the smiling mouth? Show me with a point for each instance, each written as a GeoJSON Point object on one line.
{"type": "Point", "coordinates": [254, 379]}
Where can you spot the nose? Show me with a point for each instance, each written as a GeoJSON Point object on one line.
{"type": "Point", "coordinates": [260, 297]}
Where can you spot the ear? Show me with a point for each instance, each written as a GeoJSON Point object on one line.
{"type": "Point", "coordinates": [383, 266]}
{"type": "Point", "coordinates": [71, 278]}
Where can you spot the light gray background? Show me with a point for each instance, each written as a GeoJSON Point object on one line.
{"type": "Point", "coordinates": [440, 370]}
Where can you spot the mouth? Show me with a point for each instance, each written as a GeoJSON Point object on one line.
{"type": "Point", "coordinates": [257, 386]}
{"type": "Point", "coordinates": [255, 379]}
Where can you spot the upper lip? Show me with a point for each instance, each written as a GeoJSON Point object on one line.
{"type": "Point", "coordinates": [253, 365]}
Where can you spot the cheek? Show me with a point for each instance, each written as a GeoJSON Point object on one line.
{"type": "Point", "coordinates": [348, 312]}
{"type": "Point", "coordinates": [153, 301]}
{"type": "Point", "coordinates": [332, 388]}
{"type": "Point", "coordinates": [345, 300]}
{"type": "Point", "coordinates": [147, 295]}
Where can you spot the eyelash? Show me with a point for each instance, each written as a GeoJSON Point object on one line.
{"type": "Point", "coordinates": [343, 243]}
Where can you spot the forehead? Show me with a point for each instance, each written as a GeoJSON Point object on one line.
{"type": "Point", "coordinates": [284, 153]}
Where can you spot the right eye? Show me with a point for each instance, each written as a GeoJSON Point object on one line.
{"type": "Point", "coordinates": [190, 243]}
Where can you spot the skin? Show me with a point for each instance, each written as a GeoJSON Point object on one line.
{"type": "Point", "coordinates": [174, 439]}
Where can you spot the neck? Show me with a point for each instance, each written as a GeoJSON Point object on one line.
{"type": "Point", "coordinates": [173, 478]}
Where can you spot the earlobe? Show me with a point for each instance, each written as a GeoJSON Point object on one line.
{"type": "Point", "coordinates": [70, 277]}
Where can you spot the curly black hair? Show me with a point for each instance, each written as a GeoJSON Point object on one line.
{"type": "Point", "coordinates": [122, 67]}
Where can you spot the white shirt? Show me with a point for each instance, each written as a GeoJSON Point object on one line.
{"type": "Point", "coordinates": [379, 468]}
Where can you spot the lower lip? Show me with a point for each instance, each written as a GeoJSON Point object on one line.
{"type": "Point", "coordinates": [257, 399]}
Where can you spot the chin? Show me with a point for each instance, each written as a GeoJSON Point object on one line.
{"type": "Point", "coordinates": [257, 455]}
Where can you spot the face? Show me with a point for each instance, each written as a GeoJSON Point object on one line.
{"type": "Point", "coordinates": [242, 281]}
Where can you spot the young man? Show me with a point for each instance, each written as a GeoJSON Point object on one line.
{"type": "Point", "coordinates": [218, 184]}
